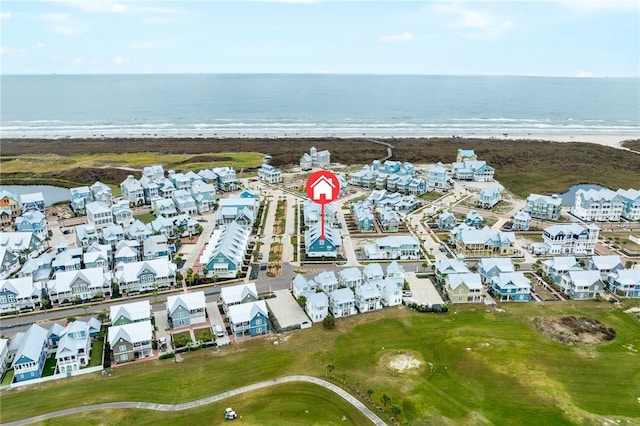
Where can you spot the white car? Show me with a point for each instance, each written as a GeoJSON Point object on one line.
{"type": "Point", "coordinates": [229, 414]}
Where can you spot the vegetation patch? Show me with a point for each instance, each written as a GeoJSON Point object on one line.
{"type": "Point", "coordinates": [573, 330]}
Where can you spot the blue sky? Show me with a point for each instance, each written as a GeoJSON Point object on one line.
{"type": "Point", "coordinates": [552, 38]}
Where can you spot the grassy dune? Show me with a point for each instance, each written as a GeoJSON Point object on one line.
{"type": "Point", "coordinates": [478, 366]}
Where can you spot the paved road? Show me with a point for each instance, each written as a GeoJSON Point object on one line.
{"type": "Point", "coordinates": [215, 398]}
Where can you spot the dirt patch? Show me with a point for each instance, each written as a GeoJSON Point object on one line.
{"type": "Point", "coordinates": [574, 330]}
{"type": "Point", "coordinates": [401, 362]}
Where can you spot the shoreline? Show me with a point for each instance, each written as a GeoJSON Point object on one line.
{"type": "Point", "coordinates": [610, 140]}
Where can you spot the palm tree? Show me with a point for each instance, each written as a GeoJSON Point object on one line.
{"type": "Point", "coordinates": [385, 399]}
{"type": "Point", "coordinates": [370, 392]}
{"type": "Point", "coordinates": [396, 410]}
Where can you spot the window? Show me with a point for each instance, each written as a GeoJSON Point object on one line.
{"type": "Point", "coordinates": [122, 348]}
{"type": "Point", "coordinates": [259, 321]}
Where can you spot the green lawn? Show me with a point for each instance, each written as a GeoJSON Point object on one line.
{"type": "Point", "coordinates": [479, 366]}
{"type": "Point", "coordinates": [145, 217]}
{"type": "Point", "coordinates": [97, 347]}
{"type": "Point", "coordinates": [49, 368]}
{"type": "Point", "coordinates": [7, 378]}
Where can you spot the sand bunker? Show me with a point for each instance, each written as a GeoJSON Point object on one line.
{"type": "Point", "coordinates": [574, 330]}
{"type": "Point", "coordinates": [404, 362]}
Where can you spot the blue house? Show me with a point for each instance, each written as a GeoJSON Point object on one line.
{"type": "Point", "coordinates": [31, 355]}
{"type": "Point", "coordinates": [474, 219]}
{"type": "Point", "coordinates": [317, 247]}
{"type": "Point", "coordinates": [446, 220]}
{"type": "Point", "coordinates": [80, 197]}
{"type": "Point", "coordinates": [32, 221]}
{"type": "Point", "coordinates": [438, 176]}
{"type": "Point", "coordinates": [33, 201]}
{"type": "Point", "coordinates": [186, 309]}
{"type": "Point", "coordinates": [511, 286]}
{"type": "Point", "coordinates": [625, 282]}
{"type": "Point", "coordinates": [249, 319]}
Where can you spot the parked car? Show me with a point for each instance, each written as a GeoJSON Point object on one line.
{"type": "Point", "coordinates": [407, 293]}
{"type": "Point", "coordinates": [219, 331]}
{"type": "Point", "coordinates": [229, 414]}
{"type": "Point", "coordinates": [260, 256]}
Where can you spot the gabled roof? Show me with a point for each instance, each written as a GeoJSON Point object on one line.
{"type": "Point", "coordinates": [397, 241]}
{"type": "Point", "coordinates": [394, 268]}
{"type": "Point", "coordinates": [566, 229]}
{"type": "Point", "coordinates": [626, 276]}
{"type": "Point", "coordinates": [501, 264]}
{"type": "Point", "coordinates": [584, 278]}
{"type": "Point", "coordinates": [135, 311]}
{"type": "Point", "coordinates": [132, 333]}
{"type": "Point", "coordinates": [512, 279]}
{"type": "Point", "coordinates": [237, 293]}
{"type": "Point", "coordinates": [21, 287]}
{"type": "Point", "coordinates": [299, 281]}
{"type": "Point", "coordinates": [350, 274]}
{"type": "Point", "coordinates": [373, 271]}
{"type": "Point", "coordinates": [31, 345]}
{"type": "Point", "coordinates": [319, 300]}
{"type": "Point", "coordinates": [326, 278]}
{"type": "Point", "coordinates": [451, 266]}
{"type": "Point", "coordinates": [471, 280]}
{"type": "Point", "coordinates": [367, 291]}
{"type": "Point", "coordinates": [189, 301]}
{"type": "Point", "coordinates": [342, 295]}
{"type": "Point", "coordinates": [563, 263]}
{"type": "Point", "coordinates": [161, 267]}
{"type": "Point", "coordinates": [245, 312]}
{"type": "Point", "coordinates": [605, 262]}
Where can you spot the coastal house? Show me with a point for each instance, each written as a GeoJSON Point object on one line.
{"type": "Point", "coordinates": [39, 268]}
{"type": "Point", "coordinates": [604, 265]}
{"type": "Point", "coordinates": [489, 197]}
{"type": "Point", "coordinates": [86, 235]}
{"type": "Point", "coordinates": [631, 200]}
{"type": "Point", "coordinates": [445, 267]}
{"type": "Point", "coordinates": [150, 189]}
{"type": "Point", "coordinates": [32, 221]}
{"type": "Point", "coordinates": [208, 176]}
{"type": "Point", "coordinates": [33, 201]}
{"type": "Point", "coordinates": [98, 214]}
{"type": "Point", "coordinates": [389, 220]}
{"type": "Point", "coordinates": [29, 359]}
{"type": "Point", "coordinates": [417, 186]}
{"type": "Point", "coordinates": [74, 346]}
{"type": "Point", "coordinates": [446, 221]}
{"type": "Point", "coordinates": [558, 266]}
{"type": "Point", "coordinates": [249, 319]}
{"type": "Point", "coordinates": [132, 341]}
{"type": "Point", "coordinates": [9, 263]}
{"type": "Point", "coordinates": [570, 238]}
{"type": "Point", "coordinates": [164, 207]}
{"type": "Point", "coordinates": [466, 154]}
{"type": "Point", "coordinates": [463, 287]}
{"type": "Point", "coordinates": [204, 194]}
{"type": "Point", "coordinates": [491, 267]}
{"type": "Point", "coordinates": [368, 298]}
{"type": "Point", "coordinates": [127, 251]}
{"type": "Point", "coordinates": [21, 244]}
{"type": "Point", "coordinates": [132, 191]}
{"type": "Point", "coordinates": [401, 247]}
{"type": "Point", "coordinates": [84, 284]}
{"type": "Point", "coordinates": [395, 273]}
{"type": "Point", "coordinates": [316, 247]}
{"type": "Point", "coordinates": [130, 312]}
{"type": "Point", "coordinates": [438, 176]}
{"type": "Point", "coordinates": [18, 294]}
{"type": "Point", "coordinates": [156, 247]}
{"type": "Point", "coordinates": [145, 276]}
{"type": "Point", "coordinates": [180, 181]}
{"type": "Point", "coordinates": [101, 192]}
{"type": "Point", "coordinates": [473, 170]}
{"type": "Point", "coordinates": [317, 306]}
{"type": "Point", "coordinates": [80, 196]}
{"type": "Point", "coordinates": [579, 285]}
{"type": "Point", "coordinates": [10, 201]}
{"type": "Point", "coordinates": [521, 221]}
{"type": "Point", "coordinates": [365, 178]}
{"type": "Point", "coordinates": [342, 303]}
{"type": "Point", "coordinates": [301, 286]}
{"type": "Point", "coordinates": [363, 216]}
{"type": "Point", "coordinates": [122, 214]}
{"type": "Point", "coordinates": [390, 292]}
{"type": "Point", "coordinates": [111, 235]}
{"type": "Point", "coordinates": [482, 242]}
{"type": "Point", "coordinates": [224, 254]}
{"type": "Point", "coordinates": [6, 218]}
{"type": "Point", "coordinates": [624, 283]}
{"type": "Point", "coordinates": [599, 205]}
{"type": "Point", "coordinates": [269, 174]}
{"type": "Point", "coordinates": [306, 163]}
{"type": "Point", "coordinates": [153, 173]}
{"type": "Point", "coordinates": [474, 219]}
{"type": "Point", "coordinates": [317, 159]}
{"type": "Point", "coordinates": [546, 207]}
{"type": "Point", "coordinates": [186, 309]}
{"type": "Point", "coordinates": [238, 294]}
{"type": "Point", "coordinates": [226, 179]}
{"type": "Point", "coordinates": [373, 273]}
{"type": "Point", "coordinates": [350, 277]}
{"type": "Point", "coordinates": [67, 259]}
{"type": "Point", "coordinates": [137, 231]}
{"type": "Point", "coordinates": [184, 202]}
{"type": "Point", "coordinates": [4, 355]}
{"type": "Point", "coordinates": [97, 259]}
{"type": "Point", "coordinates": [233, 207]}
{"type": "Point", "coordinates": [326, 281]}
{"type": "Point", "coordinates": [511, 287]}
{"type": "Point", "coordinates": [165, 188]}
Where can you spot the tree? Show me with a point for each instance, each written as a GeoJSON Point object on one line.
{"type": "Point", "coordinates": [385, 400]}
{"type": "Point", "coordinates": [396, 410]}
{"type": "Point", "coordinates": [102, 316]}
{"type": "Point", "coordinates": [330, 368]}
{"type": "Point", "coordinates": [370, 392]}
{"type": "Point", "coordinates": [205, 271]}
{"type": "Point", "coordinates": [155, 291]}
{"type": "Point", "coordinates": [329, 322]}
{"type": "Point", "coordinates": [71, 318]}
{"type": "Point", "coordinates": [517, 266]}
{"type": "Point", "coordinates": [302, 301]}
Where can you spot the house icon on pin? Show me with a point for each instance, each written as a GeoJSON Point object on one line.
{"type": "Point", "coordinates": [323, 187]}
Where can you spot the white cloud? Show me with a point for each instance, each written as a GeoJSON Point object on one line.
{"type": "Point", "coordinates": [588, 6]}
{"type": "Point", "coordinates": [406, 36]}
{"type": "Point", "coordinates": [40, 45]}
{"type": "Point", "coordinates": [479, 24]}
{"type": "Point", "coordinates": [53, 17]}
{"type": "Point", "coordinates": [144, 44]}
{"type": "Point", "coordinates": [67, 30]}
{"type": "Point", "coordinates": [5, 15]}
{"type": "Point", "coordinates": [78, 61]}
{"type": "Point", "coordinates": [12, 51]}
{"type": "Point", "coordinates": [97, 6]}
{"type": "Point", "coordinates": [120, 60]}
{"type": "Point", "coordinates": [584, 74]}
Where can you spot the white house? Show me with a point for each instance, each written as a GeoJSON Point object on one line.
{"type": "Point", "coordinates": [403, 247]}
{"type": "Point", "coordinates": [390, 292]}
{"type": "Point", "coordinates": [489, 196]}
{"type": "Point", "coordinates": [581, 284]}
{"type": "Point", "coordinates": [237, 294]}
{"type": "Point", "coordinates": [269, 174]}
{"type": "Point", "coordinates": [546, 207]}
{"type": "Point", "coordinates": [438, 176]}
{"type": "Point", "coordinates": [84, 284]}
{"type": "Point", "coordinates": [326, 281]}
{"type": "Point", "coordinates": [631, 200]}
{"type": "Point", "coordinates": [146, 276]}
{"type": "Point", "coordinates": [521, 221]}
{"type": "Point", "coordinates": [603, 205]}
{"type": "Point", "coordinates": [98, 214]}
{"type": "Point", "coordinates": [605, 265]}
{"type": "Point", "coordinates": [130, 312]}
{"type": "Point", "coordinates": [132, 190]}
{"type": "Point", "coordinates": [350, 277]}
{"type": "Point", "coordinates": [368, 298]}
{"type": "Point", "coordinates": [300, 286]}
{"type": "Point", "coordinates": [186, 309]}
{"type": "Point", "coordinates": [317, 306]}
{"type": "Point", "coordinates": [342, 303]}
{"type": "Point", "coordinates": [571, 238]}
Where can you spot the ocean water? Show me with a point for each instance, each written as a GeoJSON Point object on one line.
{"type": "Point", "coordinates": [279, 104]}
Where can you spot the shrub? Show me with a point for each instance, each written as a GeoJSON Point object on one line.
{"type": "Point", "coordinates": [167, 355]}
{"type": "Point", "coordinates": [329, 322]}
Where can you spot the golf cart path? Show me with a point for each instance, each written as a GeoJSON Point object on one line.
{"type": "Point", "coordinates": [204, 401]}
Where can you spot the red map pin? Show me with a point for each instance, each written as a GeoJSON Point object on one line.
{"type": "Point", "coordinates": [323, 188]}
